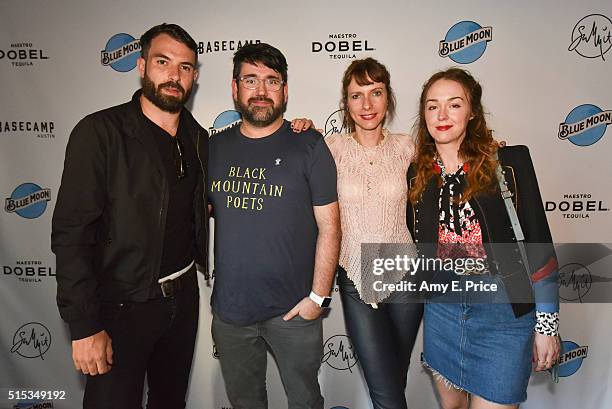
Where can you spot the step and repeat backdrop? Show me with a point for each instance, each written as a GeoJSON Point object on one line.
{"type": "Point", "coordinates": [546, 72]}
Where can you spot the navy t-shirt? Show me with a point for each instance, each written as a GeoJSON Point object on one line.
{"type": "Point", "coordinates": [263, 191]}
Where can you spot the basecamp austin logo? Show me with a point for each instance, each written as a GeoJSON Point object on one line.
{"type": "Point", "coordinates": [571, 358]}
{"type": "Point", "coordinates": [334, 123]}
{"type": "Point", "coordinates": [585, 125]}
{"type": "Point", "coordinates": [23, 54]}
{"type": "Point", "coordinates": [592, 36]}
{"type": "Point", "coordinates": [31, 340]}
{"type": "Point", "coordinates": [42, 129]}
{"type": "Point", "coordinates": [121, 52]}
{"type": "Point", "coordinates": [28, 200]}
{"type": "Point", "coordinates": [28, 271]}
{"type": "Point", "coordinates": [207, 47]}
{"type": "Point", "coordinates": [338, 353]}
{"type": "Point", "coordinates": [577, 206]}
{"type": "Point", "coordinates": [465, 42]}
{"type": "Point", "coordinates": [342, 46]}
{"type": "Point", "coordinates": [225, 120]}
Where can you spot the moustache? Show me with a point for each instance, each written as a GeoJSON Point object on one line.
{"type": "Point", "coordinates": [261, 99]}
{"type": "Point", "coordinates": [172, 84]}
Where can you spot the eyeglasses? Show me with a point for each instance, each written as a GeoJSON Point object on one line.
{"type": "Point", "coordinates": [272, 84]}
{"type": "Point", "coordinates": [179, 160]}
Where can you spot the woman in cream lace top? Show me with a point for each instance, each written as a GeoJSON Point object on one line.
{"type": "Point", "coordinates": [372, 192]}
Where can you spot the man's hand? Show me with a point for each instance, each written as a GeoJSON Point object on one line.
{"type": "Point", "coordinates": [93, 355]}
{"type": "Point", "coordinates": [306, 309]}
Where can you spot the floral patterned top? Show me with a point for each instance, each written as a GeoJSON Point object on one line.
{"type": "Point", "coordinates": [459, 225]}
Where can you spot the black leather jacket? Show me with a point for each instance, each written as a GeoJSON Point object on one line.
{"type": "Point", "coordinates": [109, 219]}
{"type": "Point", "coordinates": [505, 260]}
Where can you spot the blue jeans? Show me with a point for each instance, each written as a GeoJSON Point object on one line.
{"type": "Point", "coordinates": [297, 346]}
{"type": "Point", "coordinates": [383, 339]}
{"type": "Point", "coordinates": [477, 344]}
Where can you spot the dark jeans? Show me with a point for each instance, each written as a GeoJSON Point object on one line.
{"type": "Point", "coordinates": [383, 339]}
{"type": "Point", "coordinates": [156, 338]}
{"type": "Point", "coordinates": [297, 346]}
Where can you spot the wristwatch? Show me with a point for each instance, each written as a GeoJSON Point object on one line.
{"type": "Point", "coordinates": [322, 302]}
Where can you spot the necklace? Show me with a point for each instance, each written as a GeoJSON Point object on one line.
{"type": "Point", "coordinates": [371, 152]}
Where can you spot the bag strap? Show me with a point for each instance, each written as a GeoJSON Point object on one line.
{"type": "Point", "coordinates": [514, 220]}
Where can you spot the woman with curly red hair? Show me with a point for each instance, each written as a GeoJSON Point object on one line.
{"type": "Point", "coordinates": [480, 349]}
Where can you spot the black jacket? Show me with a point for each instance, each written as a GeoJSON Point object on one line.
{"type": "Point", "coordinates": [422, 219]}
{"type": "Point", "coordinates": [109, 219]}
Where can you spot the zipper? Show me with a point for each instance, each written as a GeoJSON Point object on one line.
{"type": "Point", "coordinates": [162, 227]}
{"type": "Point", "coordinates": [204, 200]}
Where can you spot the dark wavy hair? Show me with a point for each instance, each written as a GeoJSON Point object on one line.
{"type": "Point", "coordinates": [173, 30]}
{"type": "Point", "coordinates": [477, 149]}
{"type": "Point", "coordinates": [261, 53]}
{"type": "Point", "coordinates": [365, 72]}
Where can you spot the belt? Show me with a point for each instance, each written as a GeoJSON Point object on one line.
{"type": "Point", "coordinates": [170, 287]}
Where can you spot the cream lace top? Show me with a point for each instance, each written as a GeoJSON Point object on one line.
{"type": "Point", "coordinates": [372, 193]}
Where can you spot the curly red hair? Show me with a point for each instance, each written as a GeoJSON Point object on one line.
{"type": "Point", "coordinates": [477, 149]}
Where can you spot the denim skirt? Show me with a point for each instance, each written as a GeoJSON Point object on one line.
{"type": "Point", "coordinates": [477, 345]}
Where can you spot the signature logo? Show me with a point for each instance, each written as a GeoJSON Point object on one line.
{"type": "Point", "coordinates": [338, 353]}
{"type": "Point", "coordinates": [31, 340]}
{"type": "Point", "coordinates": [592, 36]}
{"type": "Point", "coordinates": [334, 123]}
{"type": "Point", "coordinates": [575, 282]}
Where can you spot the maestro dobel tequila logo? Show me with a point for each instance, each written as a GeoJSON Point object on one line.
{"type": "Point", "coordinates": [342, 46]}
{"type": "Point", "coordinates": [23, 54]}
{"type": "Point", "coordinates": [28, 271]}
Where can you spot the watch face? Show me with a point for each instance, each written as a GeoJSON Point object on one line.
{"type": "Point", "coordinates": [326, 302]}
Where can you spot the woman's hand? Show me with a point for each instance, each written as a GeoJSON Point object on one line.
{"type": "Point", "coordinates": [301, 124]}
{"type": "Point", "coordinates": [546, 349]}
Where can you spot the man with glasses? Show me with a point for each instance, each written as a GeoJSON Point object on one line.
{"type": "Point", "coordinates": [277, 238]}
{"type": "Point", "coordinates": [129, 223]}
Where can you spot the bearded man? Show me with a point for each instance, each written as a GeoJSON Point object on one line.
{"type": "Point", "coordinates": [277, 238]}
{"type": "Point", "coordinates": [129, 229]}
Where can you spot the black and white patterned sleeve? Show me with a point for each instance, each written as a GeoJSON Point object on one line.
{"type": "Point", "coordinates": [547, 323]}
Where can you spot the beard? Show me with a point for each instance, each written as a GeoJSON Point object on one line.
{"type": "Point", "coordinates": [167, 103]}
{"type": "Point", "coordinates": [260, 116]}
